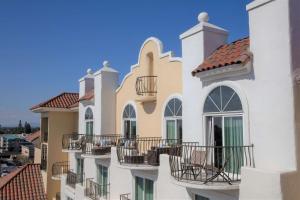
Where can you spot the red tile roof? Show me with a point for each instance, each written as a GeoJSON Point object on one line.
{"type": "Point", "coordinates": [25, 183]}
{"type": "Point", "coordinates": [64, 100]}
{"type": "Point", "coordinates": [33, 136]}
{"type": "Point", "coordinates": [234, 53]}
{"type": "Point", "coordinates": [88, 96]}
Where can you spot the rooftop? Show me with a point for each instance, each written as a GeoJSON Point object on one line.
{"type": "Point", "coordinates": [236, 52]}
{"type": "Point", "coordinates": [64, 100]}
{"type": "Point", "coordinates": [24, 183]}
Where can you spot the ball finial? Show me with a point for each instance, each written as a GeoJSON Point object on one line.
{"type": "Point", "coordinates": [105, 63]}
{"type": "Point", "coordinates": [89, 71]}
{"type": "Point", "coordinates": [203, 17]}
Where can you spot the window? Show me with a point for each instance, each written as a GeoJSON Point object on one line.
{"type": "Point", "coordinates": [224, 123]}
{"type": "Point", "coordinates": [129, 122]}
{"type": "Point", "coordinates": [80, 168]}
{"type": "Point", "coordinates": [102, 179]}
{"type": "Point", "coordinates": [89, 122]}
{"type": "Point", "coordinates": [199, 197]}
{"type": "Point", "coordinates": [143, 189]}
{"type": "Point", "coordinates": [173, 119]}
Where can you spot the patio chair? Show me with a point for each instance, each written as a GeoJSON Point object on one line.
{"type": "Point", "coordinates": [195, 165]}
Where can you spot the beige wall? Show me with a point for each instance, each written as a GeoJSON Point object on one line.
{"type": "Point", "coordinates": [169, 82]}
{"type": "Point", "coordinates": [59, 123]}
{"type": "Point", "coordinates": [37, 155]}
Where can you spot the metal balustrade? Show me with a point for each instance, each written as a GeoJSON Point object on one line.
{"type": "Point", "coordinates": [73, 141]}
{"type": "Point", "coordinates": [207, 164]}
{"type": "Point", "coordinates": [96, 191]}
{"type": "Point", "coordinates": [60, 168]}
{"type": "Point", "coordinates": [73, 178]}
{"type": "Point", "coordinates": [144, 150]}
{"type": "Point", "coordinates": [146, 85]}
{"type": "Point", "coordinates": [99, 144]}
{"type": "Point", "coordinates": [125, 196]}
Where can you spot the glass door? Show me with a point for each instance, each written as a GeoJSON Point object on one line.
{"type": "Point", "coordinates": [129, 128]}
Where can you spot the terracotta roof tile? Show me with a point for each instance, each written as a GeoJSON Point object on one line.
{"type": "Point", "coordinates": [88, 96]}
{"type": "Point", "coordinates": [32, 136]}
{"type": "Point", "coordinates": [234, 53]}
{"type": "Point", "coordinates": [25, 183]}
{"type": "Point", "coordinates": [64, 100]}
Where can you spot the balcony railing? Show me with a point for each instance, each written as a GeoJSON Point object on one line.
{"type": "Point", "coordinates": [146, 85]}
{"type": "Point", "coordinates": [207, 164]}
{"type": "Point", "coordinates": [144, 150]}
{"type": "Point", "coordinates": [96, 191]}
{"type": "Point", "coordinates": [125, 196]}
{"type": "Point", "coordinates": [73, 141]}
{"type": "Point", "coordinates": [45, 137]}
{"type": "Point", "coordinates": [99, 144]}
{"type": "Point", "coordinates": [73, 179]}
{"type": "Point", "coordinates": [44, 157]}
{"type": "Point", "coordinates": [60, 168]}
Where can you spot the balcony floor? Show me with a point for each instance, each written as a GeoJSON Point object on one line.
{"type": "Point", "coordinates": [144, 167]}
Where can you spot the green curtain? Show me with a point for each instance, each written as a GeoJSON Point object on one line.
{"type": "Point", "coordinates": [89, 128]}
{"type": "Point", "coordinates": [139, 188]}
{"type": "Point", "coordinates": [148, 189]}
{"type": "Point", "coordinates": [234, 137]}
{"type": "Point", "coordinates": [102, 179]}
{"type": "Point", "coordinates": [171, 129]}
{"type": "Point", "coordinates": [133, 129]}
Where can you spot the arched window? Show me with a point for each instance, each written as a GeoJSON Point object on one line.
{"type": "Point", "coordinates": [129, 122]}
{"type": "Point", "coordinates": [89, 122]}
{"type": "Point", "coordinates": [173, 119]}
{"type": "Point", "coordinates": [223, 113]}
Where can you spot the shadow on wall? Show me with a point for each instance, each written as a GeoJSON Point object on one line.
{"type": "Point", "coordinates": [149, 107]}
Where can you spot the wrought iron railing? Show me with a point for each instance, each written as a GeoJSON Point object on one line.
{"type": "Point", "coordinates": [99, 144]}
{"type": "Point", "coordinates": [73, 178]}
{"type": "Point", "coordinates": [125, 196]}
{"type": "Point", "coordinates": [204, 164]}
{"type": "Point", "coordinates": [144, 150]}
{"type": "Point", "coordinates": [146, 85]}
{"type": "Point", "coordinates": [60, 168]}
{"type": "Point", "coordinates": [73, 141]}
{"type": "Point", "coordinates": [96, 191]}
{"type": "Point", "coordinates": [44, 157]}
{"type": "Point", "coordinates": [57, 196]}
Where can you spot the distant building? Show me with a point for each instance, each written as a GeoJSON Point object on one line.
{"type": "Point", "coordinates": [33, 152]}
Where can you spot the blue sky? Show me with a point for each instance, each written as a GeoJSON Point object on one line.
{"type": "Point", "coordinates": [46, 46]}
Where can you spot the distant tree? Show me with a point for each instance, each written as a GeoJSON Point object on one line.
{"type": "Point", "coordinates": [27, 128]}
{"type": "Point", "coordinates": [20, 128]}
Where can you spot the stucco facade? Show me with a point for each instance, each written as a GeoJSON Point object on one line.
{"type": "Point", "coordinates": [169, 84]}
{"type": "Point", "coordinates": [265, 88]}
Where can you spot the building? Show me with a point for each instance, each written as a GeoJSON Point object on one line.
{"type": "Point", "coordinates": [219, 123]}
{"type": "Point", "coordinates": [35, 139]}
{"type": "Point", "coordinates": [24, 183]}
{"type": "Point", "coordinates": [58, 116]}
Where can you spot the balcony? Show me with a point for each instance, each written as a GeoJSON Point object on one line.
{"type": "Point", "coordinates": [73, 179]}
{"type": "Point", "coordinates": [72, 142]}
{"type": "Point", "coordinates": [125, 196]}
{"type": "Point", "coordinates": [60, 168]}
{"type": "Point", "coordinates": [96, 191]}
{"type": "Point", "coordinates": [210, 167]}
{"type": "Point", "coordinates": [99, 145]}
{"type": "Point", "coordinates": [146, 88]}
{"type": "Point", "coordinates": [143, 153]}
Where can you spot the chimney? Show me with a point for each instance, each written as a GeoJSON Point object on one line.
{"type": "Point", "coordinates": [106, 83]}
{"type": "Point", "coordinates": [86, 83]}
{"type": "Point", "coordinates": [197, 44]}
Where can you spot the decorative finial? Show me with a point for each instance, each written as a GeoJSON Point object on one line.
{"type": "Point", "coordinates": [203, 17]}
{"type": "Point", "coordinates": [89, 71]}
{"type": "Point", "coordinates": [105, 63]}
